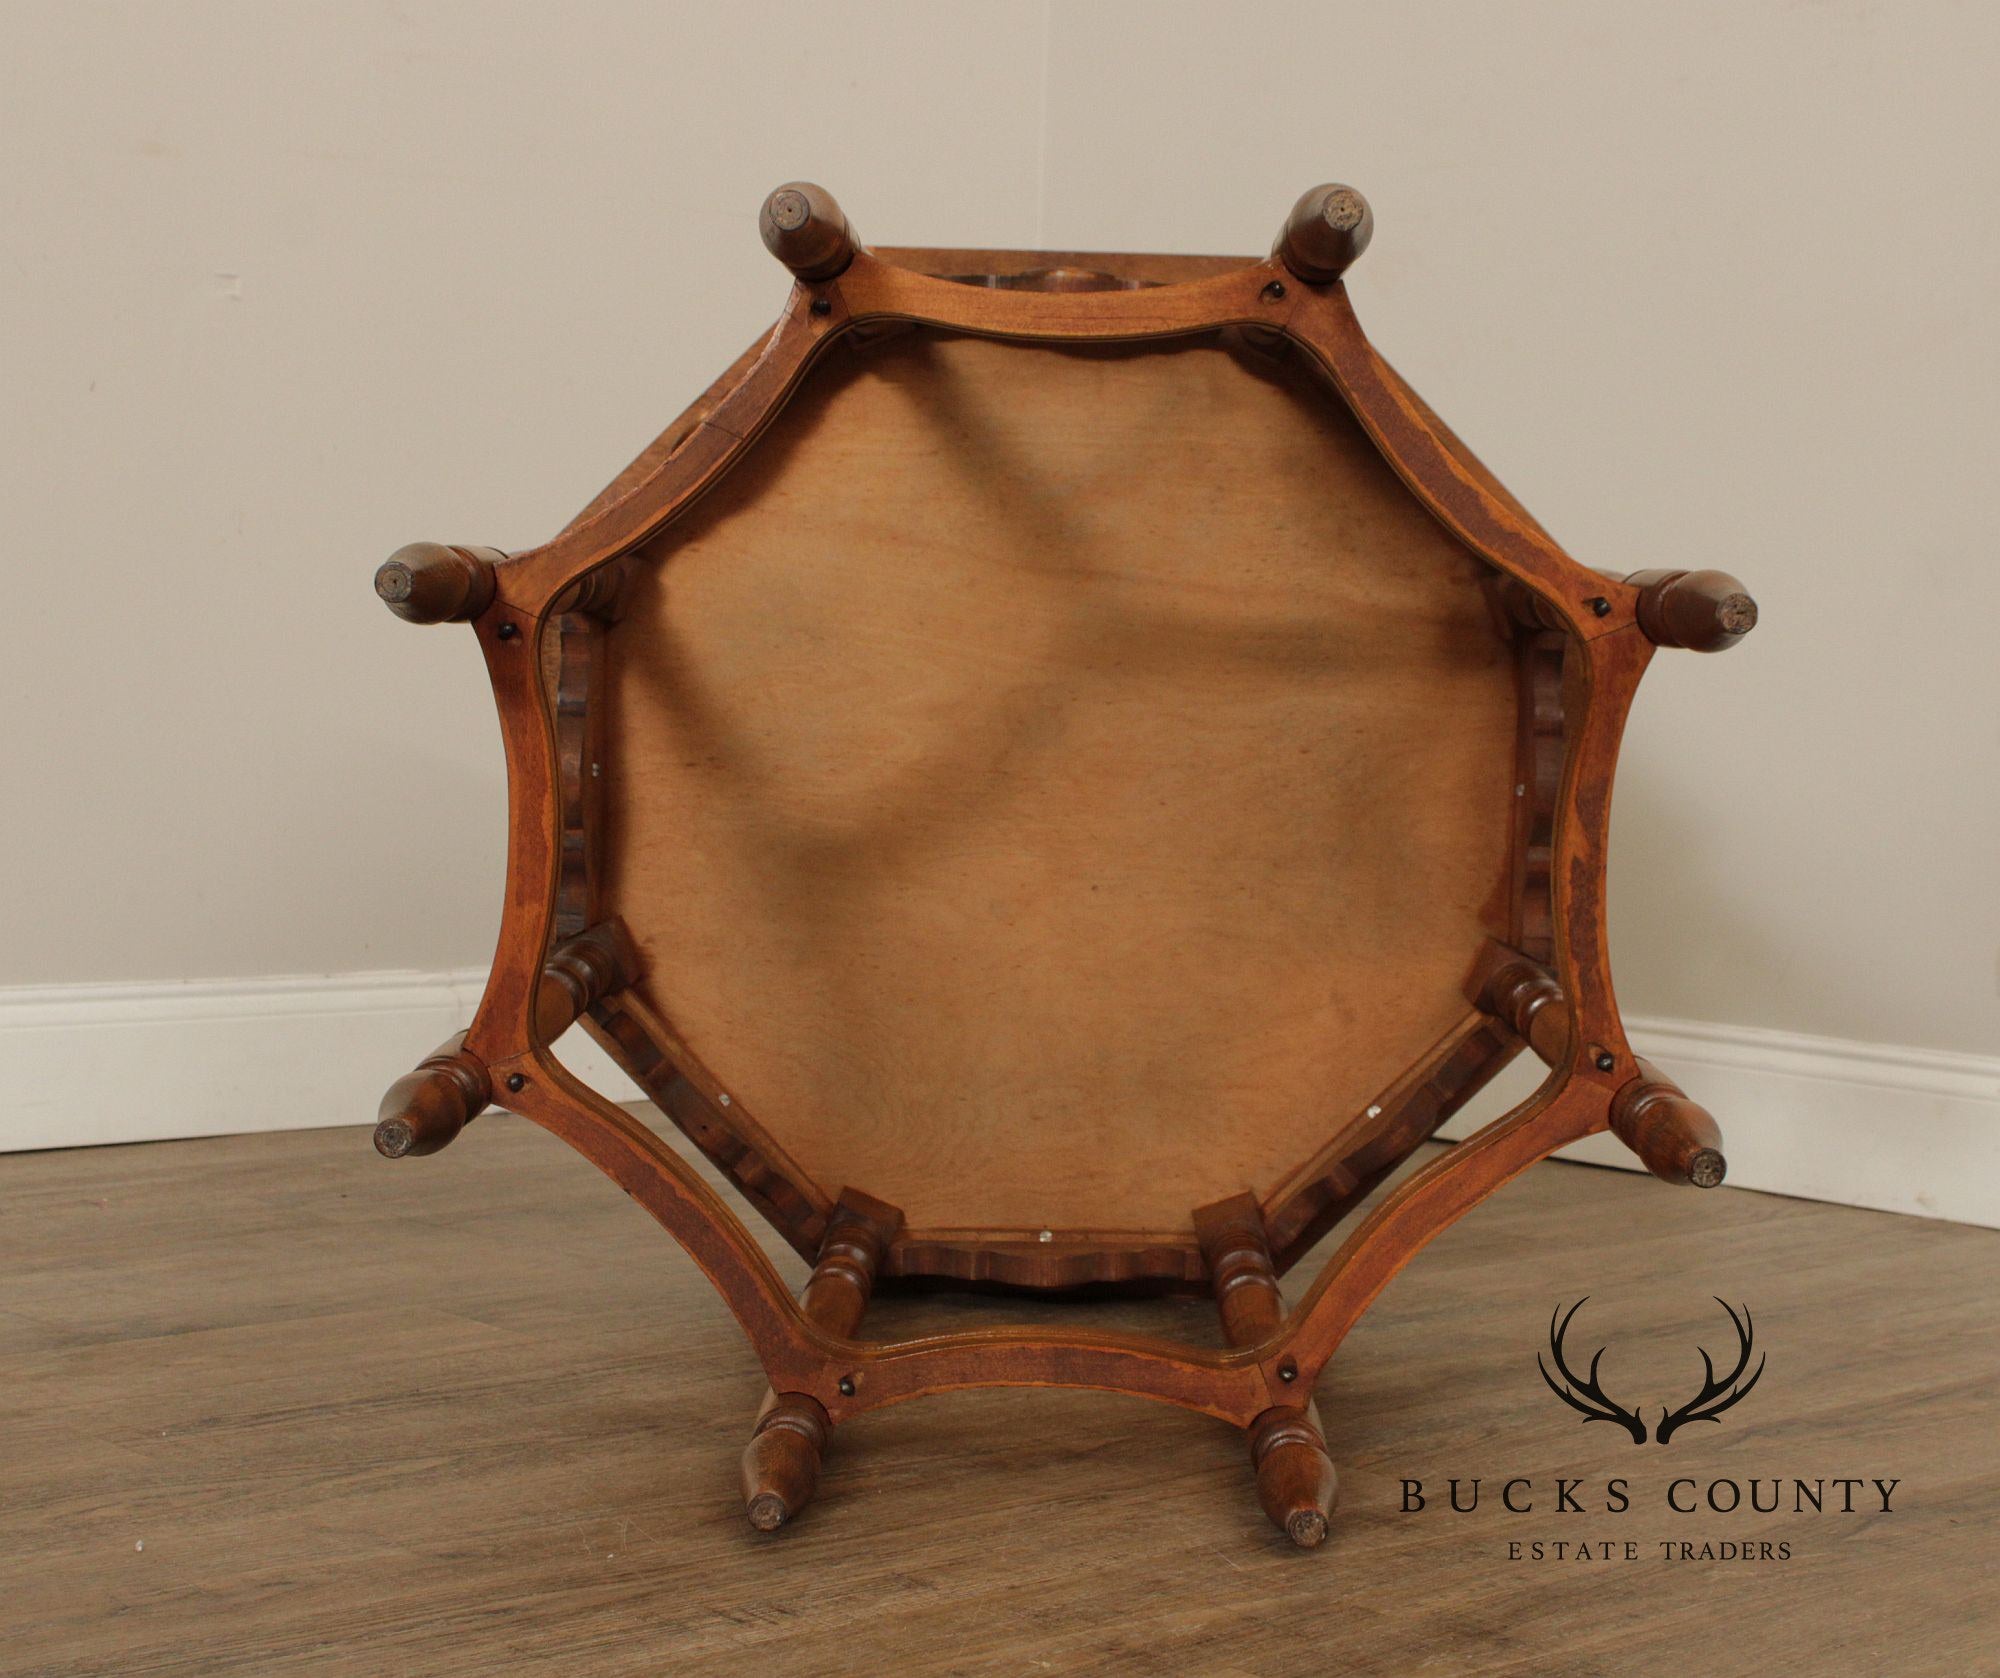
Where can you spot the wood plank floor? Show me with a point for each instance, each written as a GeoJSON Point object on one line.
{"type": "Point", "coordinates": [272, 1405]}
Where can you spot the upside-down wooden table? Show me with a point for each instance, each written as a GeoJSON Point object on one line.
{"type": "Point", "coordinates": [1059, 770]}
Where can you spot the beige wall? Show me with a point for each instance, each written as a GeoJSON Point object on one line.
{"type": "Point", "coordinates": [288, 285]}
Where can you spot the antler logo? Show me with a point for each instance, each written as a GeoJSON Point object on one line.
{"type": "Point", "coordinates": [1585, 1395]}
{"type": "Point", "coordinates": [1715, 1396]}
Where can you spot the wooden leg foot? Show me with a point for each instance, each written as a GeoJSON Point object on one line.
{"type": "Point", "coordinates": [781, 1462]}
{"type": "Point", "coordinates": [1296, 1482]}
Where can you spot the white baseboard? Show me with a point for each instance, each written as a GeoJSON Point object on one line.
{"type": "Point", "coordinates": [1862, 1124]}
{"type": "Point", "coordinates": [1822, 1118]}
{"type": "Point", "coordinates": [86, 1064]}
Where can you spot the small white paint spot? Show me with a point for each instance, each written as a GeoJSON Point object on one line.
{"type": "Point", "coordinates": [229, 286]}
{"type": "Point", "coordinates": [1521, 789]}
{"type": "Point", "coordinates": [723, 1099]}
{"type": "Point", "coordinates": [140, 1545]}
{"type": "Point", "coordinates": [1046, 1235]}
{"type": "Point", "coordinates": [1374, 1109]}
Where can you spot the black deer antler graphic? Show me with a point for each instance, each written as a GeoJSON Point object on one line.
{"type": "Point", "coordinates": [1600, 1408]}
{"type": "Point", "coordinates": [1715, 1396]}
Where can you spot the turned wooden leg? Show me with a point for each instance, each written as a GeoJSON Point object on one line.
{"type": "Point", "coordinates": [1524, 607]}
{"type": "Point", "coordinates": [428, 582]}
{"type": "Point", "coordinates": [598, 594]}
{"type": "Point", "coordinates": [582, 971]}
{"type": "Point", "coordinates": [1296, 1482]}
{"type": "Point", "coordinates": [805, 230]}
{"type": "Point", "coordinates": [1526, 997]}
{"type": "Point", "coordinates": [1329, 227]}
{"type": "Point", "coordinates": [1676, 1139]}
{"type": "Point", "coordinates": [424, 1110]}
{"type": "Point", "coordinates": [781, 1462]}
{"type": "Point", "coordinates": [1707, 611]}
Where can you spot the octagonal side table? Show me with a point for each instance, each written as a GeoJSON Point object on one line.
{"type": "Point", "coordinates": [1059, 771]}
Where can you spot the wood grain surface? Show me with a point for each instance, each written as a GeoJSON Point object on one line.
{"type": "Point", "coordinates": [1055, 788]}
{"type": "Point", "coordinates": [272, 1406]}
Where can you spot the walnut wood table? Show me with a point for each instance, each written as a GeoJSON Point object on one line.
{"type": "Point", "coordinates": [1058, 772]}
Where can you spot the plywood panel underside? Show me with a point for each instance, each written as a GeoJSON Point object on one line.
{"type": "Point", "coordinates": [1052, 789]}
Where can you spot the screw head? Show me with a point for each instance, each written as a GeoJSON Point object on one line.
{"type": "Point", "coordinates": [1288, 1372]}
{"type": "Point", "coordinates": [1274, 292]}
{"type": "Point", "coordinates": [509, 631]}
{"type": "Point", "coordinates": [516, 1082]}
{"type": "Point", "coordinates": [847, 1386]}
{"type": "Point", "coordinates": [1599, 605]}
{"type": "Point", "coordinates": [1606, 1060]}
{"type": "Point", "coordinates": [822, 305]}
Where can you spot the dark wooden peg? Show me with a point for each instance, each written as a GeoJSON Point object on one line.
{"type": "Point", "coordinates": [426, 1108]}
{"type": "Point", "coordinates": [1328, 228]}
{"type": "Point", "coordinates": [805, 230]}
{"type": "Point", "coordinates": [1675, 1138]}
{"type": "Point", "coordinates": [1706, 611]}
{"type": "Point", "coordinates": [428, 582]}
